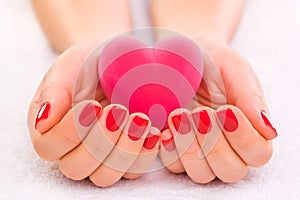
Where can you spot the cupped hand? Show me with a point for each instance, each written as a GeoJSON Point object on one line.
{"type": "Point", "coordinates": [70, 121]}
{"type": "Point", "coordinates": [227, 130]}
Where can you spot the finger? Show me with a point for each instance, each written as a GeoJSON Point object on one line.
{"type": "Point", "coordinates": [188, 148]}
{"type": "Point", "coordinates": [168, 153]}
{"type": "Point", "coordinates": [147, 155]}
{"type": "Point", "coordinates": [243, 138]}
{"type": "Point", "coordinates": [69, 132]}
{"type": "Point", "coordinates": [101, 139]}
{"type": "Point", "coordinates": [224, 162]}
{"type": "Point", "coordinates": [125, 152]}
{"type": "Point", "coordinates": [54, 92]}
{"type": "Point", "coordinates": [237, 72]}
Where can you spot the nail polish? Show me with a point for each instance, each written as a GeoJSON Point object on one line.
{"type": "Point", "coordinates": [89, 114]}
{"type": "Point", "coordinates": [169, 143]}
{"type": "Point", "coordinates": [182, 123]}
{"type": "Point", "coordinates": [115, 118]}
{"type": "Point", "coordinates": [267, 121]}
{"type": "Point", "coordinates": [202, 121]}
{"type": "Point", "coordinates": [43, 113]}
{"type": "Point", "coordinates": [228, 120]}
{"type": "Point", "coordinates": [137, 128]}
{"type": "Point", "coordinates": [150, 141]}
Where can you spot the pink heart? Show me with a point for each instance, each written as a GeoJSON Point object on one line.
{"type": "Point", "coordinates": [153, 80]}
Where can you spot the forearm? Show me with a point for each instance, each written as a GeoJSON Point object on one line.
{"type": "Point", "coordinates": [213, 19]}
{"type": "Point", "coordinates": [68, 22]}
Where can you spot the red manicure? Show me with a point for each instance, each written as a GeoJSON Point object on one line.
{"type": "Point", "coordinates": [150, 141]}
{"type": "Point", "coordinates": [182, 123]}
{"type": "Point", "coordinates": [202, 121]}
{"type": "Point", "coordinates": [43, 113]}
{"type": "Point", "coordinates": [89, 114]}
{"type": "Point", "coordinates": [169, 143]}
{"type": "Point", "coordinates": [137, 128]}
{"type": "Point", "coordinates": [228, 120]}
{"type": "Point", "coordinates": [115, 118]}
{"type": "Point", "coordinates": [267, 121]}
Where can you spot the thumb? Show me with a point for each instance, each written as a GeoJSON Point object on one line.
{"type": "Point", "coordinates": [54, 96]}
{"type": "Point", "coordinates": [244, 91]}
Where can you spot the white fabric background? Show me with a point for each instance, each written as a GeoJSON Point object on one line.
{"type": "Point", "coordinates": [268, 37]}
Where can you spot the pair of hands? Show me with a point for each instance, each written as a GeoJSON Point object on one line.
{"type": "Point", "coordinates": [90, 139]}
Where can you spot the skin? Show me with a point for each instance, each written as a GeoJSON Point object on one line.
{"type": "Point", "coordinates": [96, 152]}
{"type": "Point", "coordinates": [66, 23]}
{"type": "Point", "coordinates": [212, 25]}
{"type": "Point", "coordinates": [214, 19]}
{"type": "Point", "coordinates": [231, 152]}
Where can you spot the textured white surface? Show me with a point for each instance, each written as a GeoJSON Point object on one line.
{"type": "Point", "coordinates": [268, 37]}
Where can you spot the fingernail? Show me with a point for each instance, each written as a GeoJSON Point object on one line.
{"type": "Point", "coordinates": [137, 128]}
{"type": "Point", "coordinates": [182, 123]}
{"type": "Point", "coordinates": [267, 121]}
{"type": "Point", "coordinates": [202, 121]}
{"type": "Point", "coordinates": [169, 143]}
{"type": "Point", "coordinates": [228, 119]}
{"type": "Point", "coordinates": [115, 118]}
{"type": "Point", "coordinates": [150, 141]}
{"type": "Point", "coordinates": [43, 113]}
{"type": "Point", "coordinates": [89, 114]}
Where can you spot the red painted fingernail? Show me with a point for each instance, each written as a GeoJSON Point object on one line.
{"type": "Point", "coordinates": [202, 121]}
{"type": "Point", "coordinates": [150, 141]}
{"type": "Point", "coordinates": [115, 118]}
{"type": "Point", "coordinates": [228, 120]}
{"type": "Point", "coordinates": [137, 128]}
{"type": "Point", "coordinates": [43, 113]}
{"type": "Point", "coordinates": [182, 123]}
{"type": "Point", "coordinates": [267, 121]}
{"type": "Point", "coordinates": [169, 143]}
{"type": "Point", "coordinates": [89, 114]}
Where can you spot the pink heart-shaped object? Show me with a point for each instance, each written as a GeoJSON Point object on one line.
{"type": "Point", "coordinates": [152, 80]}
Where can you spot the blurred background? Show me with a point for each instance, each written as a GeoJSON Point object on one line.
{"type": "Point", "coordinates": [268, 36]}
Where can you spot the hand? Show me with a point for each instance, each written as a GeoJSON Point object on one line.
{"type": "Point", "coordinates": [228, 130]}
{"type": "Point", "coordinates": [67, 123]}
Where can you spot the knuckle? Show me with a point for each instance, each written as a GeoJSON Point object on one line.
{"type": "Point", "coordinates": [120, 160]}
{"type": "Point", "coordinates": [215, 151]}
{"type": "Point", "coordinates": [244, 144]}
{"type": "Point", "coordinates": [258, 98]}
{"type": "Point", "coordinates": [71, 138]}
{"type": "Point", "coordinates": [99, 152]}
{"type": "Point", "coordinates": [47, 91]}
{"type": "Point", "coordinates": [126, 157]}
{"type": "Point", "coordinates": [253, 97]}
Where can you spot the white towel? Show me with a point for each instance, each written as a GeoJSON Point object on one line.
{"type": "Point", "coordinates": [268, 37]}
